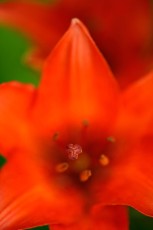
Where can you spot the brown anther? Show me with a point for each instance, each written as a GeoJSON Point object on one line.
{"type": "Point", "coordinates": [84, 175]}
{"type": "Point", "coordinates": [62, 167]}
{"type": "Point", "coordinates": [104, 160]}
{"type": "Point", "coordinates": [111, 139]}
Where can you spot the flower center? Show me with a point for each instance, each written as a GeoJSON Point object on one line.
{"type": "Point", "coordinates": [80, 161]}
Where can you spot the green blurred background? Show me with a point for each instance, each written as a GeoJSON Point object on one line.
{"type": "Point", "coordinates": [13, 47]}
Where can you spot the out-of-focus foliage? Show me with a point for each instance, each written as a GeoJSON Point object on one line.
{"type": "Point", "coordinates": [140, 222]}
{"type": "Point", "coordinates": [2, 161]}
{"type": "Point", "coordinates": [13, 47]}
{"type": "Point", "coordinates": [41, 228]}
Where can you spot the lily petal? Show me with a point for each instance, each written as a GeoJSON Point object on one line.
{"type": "Point", "coordinates": [27, 200]}
{"type": "Point", "coordinates": [35, 21]}
{"type": "Point", "coordinates": [32, 19]}
{"type": "Point", "coordinates": [128, 51]}
{"type": "Point", "coordinates": [15, 102]}
{"type": "Point", "coordinates": [106, 217]}
{"type": "Point", "coordinates": [131, 179]}
{"type": "Point", "coordinates": [77, 83]}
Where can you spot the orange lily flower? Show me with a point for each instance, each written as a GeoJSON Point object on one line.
{"type": "Point", "coordinates": [76, 147]}
{"type": "Point", "coordinates": [122, 30]}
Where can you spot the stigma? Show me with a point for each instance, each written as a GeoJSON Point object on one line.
{"type": "Point", "coordinates": [73, 151]}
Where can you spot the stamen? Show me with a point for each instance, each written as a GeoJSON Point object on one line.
{"type": "Point", "coordinates": [73, 151]}
{"type": "Point", "coordinates": [83, 134]}
{"type": "Point", "coordinates": [62, 167]}
{"type": "Point", "coordinates": [85, 175]}
{"type": "Point", "coordinates": [55, 136]}
{"type": "Point", "coordinates": [104, 160]}
{"type": "Point", "coordinates": [111, 139]}
{"type": "Point", "coordinates": [58, 141]}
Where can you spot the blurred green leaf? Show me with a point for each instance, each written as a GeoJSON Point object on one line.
{"type": "Point", "coordinates": [140, 222]}
{"type": "Point", "coordinates": [40, 228]}
{"type": "Point", "coordinates": [13, 47]}
{"type": "Point", "coordinates": [2, 161]}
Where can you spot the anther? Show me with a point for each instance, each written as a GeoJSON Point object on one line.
{"type": "Point", "coordinates": [73, 151]}
{"type": "Point", "coordinates": [85, 175]}
{"type": "Point", "coordinates": [111, 139]}
{"type": "Point", "coordinates": [104, 160]}
{"type": "Point", "coordinates": [62, 167]}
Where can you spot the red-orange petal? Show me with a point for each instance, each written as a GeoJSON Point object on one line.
{"type": "Point", "coordinates": [15, 102]}
{"type": "Point", "coordinates": [130, 177]}
{"type": "Point", "coordinates": [36, 21]}
{"type": "Point", "coordinates": [77, 84]}
{"type": "Point", "coordinates": [128, 51]}
{"type": "Point", "coordinates": [28, 200]}
{"type": "Point", "coordinates": [33, 19]}
{"type": "Point", "coordinates": [104, 217]}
